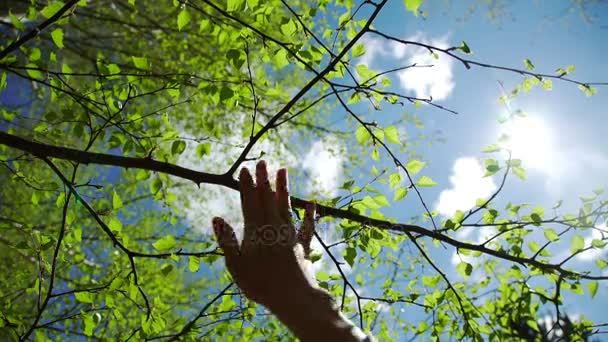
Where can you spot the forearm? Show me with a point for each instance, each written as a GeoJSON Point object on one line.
{"type": "Point", "coordinates": [311, 316]}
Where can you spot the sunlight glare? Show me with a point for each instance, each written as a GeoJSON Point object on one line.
{"type": "Point", "coordinates": [530, 140]}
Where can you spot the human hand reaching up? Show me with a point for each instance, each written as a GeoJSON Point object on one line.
{"type": "Point", "coordinates": [271, 265]}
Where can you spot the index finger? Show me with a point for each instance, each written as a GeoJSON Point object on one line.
{"type": "Point", "coordinates": [249, 204]}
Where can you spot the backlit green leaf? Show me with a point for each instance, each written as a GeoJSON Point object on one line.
{"type": "Point", "coordinates": [414, 166]}
{"type": "Point", "coordinates": [577, 243]}
{"type": "Point", "coordinates": [57, 36]}
{"type": "Point", "coordinates": [425, 181]}
{"type": "Point", "coordinates": [165, 243]}
{"type": "Point", "coordinates": [156, 185]}
{"type": "Point", "coordinates": [183, 19]}
{"type": "Point", "coordinates": [362, 135]}
{"type": "Point", "coordinates": [116, 201]}
{"type": "Point", "coordinates": [52, 8]}
{"type": "Point", "coordinates": [400, 193]}
{"type": "Point", "coordinates": [392, 135]}
{"type": "Point", "coordinates": [592, 286]}
{"type": "Point", "coordinates": [413, 5]}
{"type": "Point", "coordinates": [84, 297]}
{"type": "Point", "coordinates": [464, 269]}
{"type": "Point", "coordinates": [551, 235]}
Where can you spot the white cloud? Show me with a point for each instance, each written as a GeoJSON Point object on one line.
{"type": "Point", "coordinates": [436, 81]}
{"type": "Point", "coordinates": [468, 185]}
{"type": "Point", "coordinates": [323, 163]}
{"type": "Point", "coordinates": [374, 47]}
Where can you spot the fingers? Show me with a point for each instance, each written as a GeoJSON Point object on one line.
{"type": "Point", "coordinates": [252, 209]}
{"type": "Point", "coordinates": [308, 228]}
{"type": "Point", "coordinates": [264, 193]}
{"type": "Point", "coordinates": [282, 195]}
{"type": "Point", "coordinates": [227, 241]}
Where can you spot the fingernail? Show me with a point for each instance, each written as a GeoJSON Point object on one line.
{"type": "Point", "coordinates": [245, 175]}
{"type": "Point", "coordinates": [261, 172]}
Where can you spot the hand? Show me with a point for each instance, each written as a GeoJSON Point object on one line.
{"type": "Point", "coordinates": [272, 262]}
{"type": "Point", "coordinates": [271, 266]}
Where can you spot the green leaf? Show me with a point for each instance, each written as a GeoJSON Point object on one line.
{"type": "Point", "coordinates": [465, 269]}
{"type": "Point", "coordinates": [116, 201]}
{"type": "Point", "coordinates": [430, 281]}
{"type": "Point", "coordinates": [369, 202]}
{"type": "Point", "coordinates": [178, 147]}
{"type": "Point", "coordinates": [115, 225]}
{"type": "Point", "coordinates": [551, 235]}
{"type": "Point", "coordinates": [3, 82]}
{"type": "Point", "coordinates": [589, 91]}
{"type": "Point", "coordinates": [592, 286]}
{"type": "Point", "coordinates": [280, 59]}
{"type": "Point", "coordinates": [528, 64]}
{"type": "Point", "coordinates": [34, 73]}
{"type": "Point", "coordinates": [165, 243]}
{"type": "Point", "coordinates": [57, 35]}
{"type": "Point", "coordinates": [16, 22]}
{"type": "Point", "coordinates": [598, 243]}
{"type": "Point", "coordinates": [547, 85]}
{"type": "Point", "coordinates": [166, 269]}
{"type": "Point", "coordinates": [381, 200]}
{"type": "Point", "coordinates": [358, 50]}
{"type": "Point", "coordinates": [142, 175]}
{"type": "Point", "coordinates": [394, 179]}
{"type": "Point", "coordinates": [60, 200]}
{"type": "Point", "coordinates": [289, 28]}
{"type": "Point", "coordinates": [412, 5]}
{"type": "Point", "coordinates": [84, 297]}
{"type": "Point", "coordinates": [491, 166]}
{"type": "Point", "coordinates": [392, 135]}
{"type": "Point", "coordinates": [414, 166]}
{"type": "Point", "coordinates": [577, 243]}
{"type": "Point", "coordinates": [235, 5]}
{"type": "Point", "coordinates": [156, 185]}
{"type": "Point", "coordinates": [322, 276]}
{"type": "Point", "coordinates": [140, 62]}
{"type": "Point", "coordinates": [183, 19]}
{"type": "Point", "coordinates": [362, 135]}
{"type": "Point", "coordinates": [534, 246]}
{"type": "Point", "coordinates": [203, 150]}
{"type": "Point", "coordinates": [349, 255]}
{"type": "Point", "coordinates": [52, 8]}
{"type": "Point", "coordinates": [464, 47]}
{"type": "Point", "coordinates": [375, 154]}
{"type": "Point", "coordinates": [519, 172]}
{"type": "Point", "coordinates": [491, 148]}
{"type": "Point", "coordinates": [400, 193]}
{"type": "Point", "coordinates": [425, 181]}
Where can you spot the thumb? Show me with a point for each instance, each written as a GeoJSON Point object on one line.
{"type": "Point", "coordinates": [227, 240]}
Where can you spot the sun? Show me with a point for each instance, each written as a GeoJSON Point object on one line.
{"type": "Point", "coordinates": [531, 140]}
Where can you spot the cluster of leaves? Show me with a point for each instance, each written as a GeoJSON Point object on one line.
{"type": "Point", "coordinates": [93, 251]}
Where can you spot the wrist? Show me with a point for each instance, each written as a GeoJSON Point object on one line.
{"type": "Point", "coordinates": [310, 314]}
